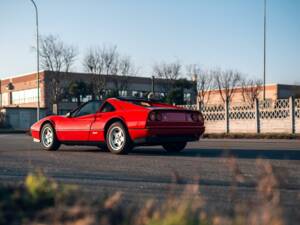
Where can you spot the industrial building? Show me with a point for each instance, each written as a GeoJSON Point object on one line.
{"type": "Point", "coordinates": [19, 94]}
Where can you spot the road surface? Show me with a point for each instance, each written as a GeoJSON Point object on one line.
{"type": "Point", "coordinates": [149, 172]}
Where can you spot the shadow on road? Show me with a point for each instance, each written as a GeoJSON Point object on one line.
{"type": "Point", "coordinates": [205, 152]}
{"type": "Point", "coordinates": [216, 153]}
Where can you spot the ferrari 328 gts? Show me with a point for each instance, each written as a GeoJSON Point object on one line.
{"type": "Point", "coordinates": [119, 124]}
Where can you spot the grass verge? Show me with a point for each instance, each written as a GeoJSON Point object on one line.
{"type": "Point", "coordinates": [41, 200]}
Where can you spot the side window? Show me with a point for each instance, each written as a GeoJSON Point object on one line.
{"type": "Point", "coordinates": [88, 108]}
{"type": "Point", "coordinates": [108, 108]}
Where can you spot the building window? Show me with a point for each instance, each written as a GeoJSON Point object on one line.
{"type": "Point", "coordinates": [123, 93]}
{"type": "Point", "coordinates": [187, 98]}
{"type": "Point", "coordinates": [5, 99]}
{"type": "Point", "coordinates": [86, 98]}
{"type": "Point", "coordinates": [82, 99]}
{"type": "Point", "coordinates": [25, 96]}
{"type": "Point", "coordinates": [135, 94]}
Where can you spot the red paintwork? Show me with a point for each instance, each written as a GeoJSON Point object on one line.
{"type": "Point", "coordinates": [92, 127]}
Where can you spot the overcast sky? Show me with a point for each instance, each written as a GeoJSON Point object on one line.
{"type": "Point", "coordinates": [213, 33]}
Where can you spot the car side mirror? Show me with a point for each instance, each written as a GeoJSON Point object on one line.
{"type": "Point", "coordinates": [68, 114]}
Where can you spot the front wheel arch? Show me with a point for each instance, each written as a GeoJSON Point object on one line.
{"type": "Point", "coordinates": [55, 144]}
{"type": "Point", "coordinates": [43, 124]}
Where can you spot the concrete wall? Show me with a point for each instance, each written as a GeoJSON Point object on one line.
{"type": "Point", "coordinates": [215, 127]}
{"type": "Point", "coordinates": [242, 126]}
{"type": "Point", "coordinates": [21, 118]}
{"type": "Point", "coordinates": [275, 125]}
{"type": "Point", "coordinates": [277, 116]}
{"type": "Point", "coordinates": [297, 126]}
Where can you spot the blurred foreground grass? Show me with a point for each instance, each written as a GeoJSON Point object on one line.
{"type": "Point", "coordinates": [41, 200]}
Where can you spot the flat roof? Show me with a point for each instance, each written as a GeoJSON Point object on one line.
{"type": "Point", "coordinates": [140, 78]}
{"type": "Point", "coordinates": [20, 75]}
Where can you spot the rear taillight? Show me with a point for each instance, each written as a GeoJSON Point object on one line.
{"type": "Point", "coordinates": [152, 116]}
{"type": "Point", "coordinates": [195, 117]}
{"type": "Point", "coordinates": [155, 116]}
{"type": "Point", "coordinates": [158, 116]}
{"type": "Point", "coordinates": [200, 116]}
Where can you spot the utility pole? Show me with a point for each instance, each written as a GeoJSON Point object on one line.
{"type": "Point", "coordinates": [153, 84]}
{"type": "Point", "coordinates": [37, 60]}
{"type": "Point", "coordinates": [265, 27]}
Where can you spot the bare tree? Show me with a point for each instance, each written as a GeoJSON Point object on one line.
{"type": "Point", "coordinates": [169, 71]}
{"type": "Point", "coordinates": [110, 57]}
{"type": "Point", "coordinates": [57, 57]}
{"type": "Point", "coordinates": [204, 81]}
{"type": "Point", "coordinates": [124, 68]}
{"type": "Point", "coordinates": [55, 54]}
{"type": "Point", "coordinates": [251, 89]}
{"type": "Point", "coordinates": [105, 60]}
{"type": "Point", "coordinates": [226, 82]}
{"type": "Point", "coordinates": [93, 63]}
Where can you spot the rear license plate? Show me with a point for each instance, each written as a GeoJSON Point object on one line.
{"type": "Point", "coordinates": [174, 117]}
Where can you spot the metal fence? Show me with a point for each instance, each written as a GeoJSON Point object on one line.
{"type": "Point", "coordinates": [270, 116]}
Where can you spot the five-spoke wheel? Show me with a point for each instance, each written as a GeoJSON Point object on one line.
{"type": "Point", "coordinates": [117, 139]}
{"type": "Point", "coordinates": [48, 138]}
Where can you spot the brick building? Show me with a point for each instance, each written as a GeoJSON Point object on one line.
{"type": "Point", "coordinates": [19, 95]}
{"type": "Point", "coordinates": [273, 92]}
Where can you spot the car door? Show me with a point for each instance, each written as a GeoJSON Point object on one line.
{"type": "Point", "coordinates": [106, 112]}
{"type": "Point", "coordinates": [76, 127]}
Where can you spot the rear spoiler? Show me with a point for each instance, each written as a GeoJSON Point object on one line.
{"type": "Point", "coordinates": [173, 110]}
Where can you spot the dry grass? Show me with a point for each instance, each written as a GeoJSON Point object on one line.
{"type": "Point", "coordinates": [41, 200]}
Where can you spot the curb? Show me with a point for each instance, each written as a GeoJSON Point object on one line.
{"type": "Point", "coordinates": [13, 131]}
{"type": "Point", "coordinates": [265, 136]}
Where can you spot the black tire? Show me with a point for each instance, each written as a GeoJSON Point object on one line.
{"type": "Point", "coordinates": [117, 139]}
{"type": "Point", "coordinates": [174, 147]}
{"type": "Point", "coordinates": [51, 145]}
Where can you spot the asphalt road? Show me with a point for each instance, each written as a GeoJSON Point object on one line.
{"type": "Point", "coordinates": [149, 172]}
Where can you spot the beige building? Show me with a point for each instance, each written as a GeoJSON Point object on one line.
{"type": "Point", "coordinates": [273, 92]}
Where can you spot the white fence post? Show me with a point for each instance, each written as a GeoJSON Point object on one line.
{"type": "Point", "coordinates": [199, 106]}
{"type": "Point", "coordinates": [257, 117]}
{"type": "Point", "coordinates": [227, 115]}
{"type": "Point", "coordinates": [292, 114]}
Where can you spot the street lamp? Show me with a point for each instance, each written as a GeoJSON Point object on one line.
{"type": "Point", "coordinates": [265, 26]}
{"type": "Point", "coordinates": [152, 85]}
{"type": "Point", "coordinates": [37, 60]}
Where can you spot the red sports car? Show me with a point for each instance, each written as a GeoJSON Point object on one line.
{"type": "Point", "coordinates": [119, 124]}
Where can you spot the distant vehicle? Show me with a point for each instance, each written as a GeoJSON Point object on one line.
{"type": "Point", "coordinates": [119, 124]}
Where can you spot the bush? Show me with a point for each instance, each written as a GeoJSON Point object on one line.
{"type": "Point", "coordinates": [43, 201]}
{"type": "Point", "coordinates": [21, 203]}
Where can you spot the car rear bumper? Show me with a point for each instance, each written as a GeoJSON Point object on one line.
{"type": "Point", "coordinates": [156, 136]}
{"type": "Point", "coordinates": [168, 139]}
